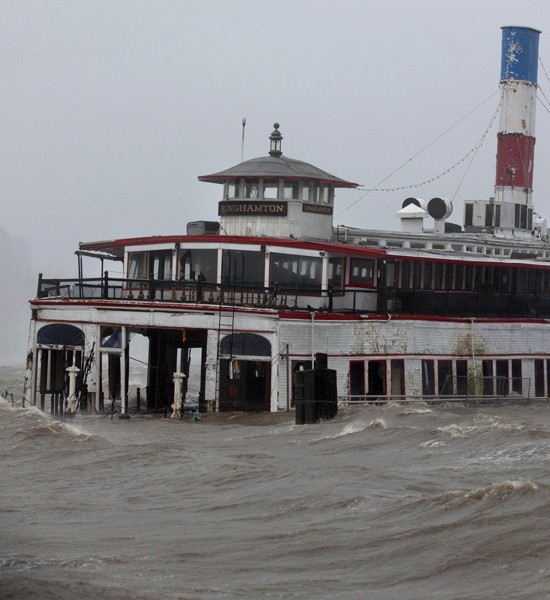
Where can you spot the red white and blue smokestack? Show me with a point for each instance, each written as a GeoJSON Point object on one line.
{"type": "Point", "coordinates": [516, 138]}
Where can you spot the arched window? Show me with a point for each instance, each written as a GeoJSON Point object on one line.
{"type": "Point", "coordinates": [245, 344]}
{"type": "Point", "coordinates": [60, 335]}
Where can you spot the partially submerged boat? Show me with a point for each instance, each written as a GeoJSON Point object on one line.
{"type": "Point", "coordinates": [433, 311]}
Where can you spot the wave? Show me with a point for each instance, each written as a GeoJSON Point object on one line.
{"type": "Point", "coordinates": [55, 428]}
{"type": "Point", "coordinates": [494, 492]}
{"type": "Point", "coordinates": [19, 562]}
{"type": "Point", "coordinates": [486, 424]}
{"type": "Point", "coordinates": [422, 409]}
{"type": "Point", "coordinates": [352, 429]}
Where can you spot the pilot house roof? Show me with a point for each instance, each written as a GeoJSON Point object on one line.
{"type": "Point", "coordinates": [275, 165]}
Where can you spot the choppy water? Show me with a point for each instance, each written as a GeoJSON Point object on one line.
{"type": "Point", "coordinates": [382, 503]}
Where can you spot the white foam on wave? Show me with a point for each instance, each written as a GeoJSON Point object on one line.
{"type": "Point", "coordinates": [485, 424]}
{"type": "Point", "coordinates": [352, 429]}
{"type": "Point", "coordinates": [432, 444]}
{"type": "Point", "coordinates": [56, 428]}
{"type": "Point", "coordinates": [514, 455]}
{"type": "Point", "coordinates": [498, 491]}
{"type": "Point", "coordinates": [416, 410]}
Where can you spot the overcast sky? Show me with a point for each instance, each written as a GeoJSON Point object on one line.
{"type": "Point", "coordinates": [111, 109]}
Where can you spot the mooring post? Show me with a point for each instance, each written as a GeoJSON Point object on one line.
{"type": "Point", "coordinates": [176, 406]}
{"type": "Point", "coordinates": [72, 400]}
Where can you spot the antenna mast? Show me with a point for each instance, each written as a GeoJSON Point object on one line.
{"type": "Point", "coordinates": [242, 139]}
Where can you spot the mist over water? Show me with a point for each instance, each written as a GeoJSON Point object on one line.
{"type": "Point", "coordinates": [408, 502]}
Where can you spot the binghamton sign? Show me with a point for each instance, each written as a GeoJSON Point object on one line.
{"type": "Point", "coordinates": [264, 208]}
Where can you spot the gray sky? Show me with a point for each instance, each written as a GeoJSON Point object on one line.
{"type": "Point", "coordinates": [110, 109]}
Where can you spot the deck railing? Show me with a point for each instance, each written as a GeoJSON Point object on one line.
{"type": "Point", "coordinates": [473, 390]}
{"type": "Point", "coordinates": [202, 292]}
{"type": "Point", "coordinates": [368, 300]}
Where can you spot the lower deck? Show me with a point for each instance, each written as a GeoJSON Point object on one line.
{"type": "Point", "coordinates": [246, 361]}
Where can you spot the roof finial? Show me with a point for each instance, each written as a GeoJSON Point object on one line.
{"type": "Point", "coordinates": [275, 141]}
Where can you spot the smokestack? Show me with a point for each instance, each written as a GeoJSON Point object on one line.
{"type": "Point", "coordinates": [516, 138]}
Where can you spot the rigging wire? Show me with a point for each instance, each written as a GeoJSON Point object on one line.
{"type": "Point", "coordinates": [473, 150]}
{"type": "Point", "coordinates": [540, 89]}
{"type": "Point", "coordinates": [544, 68]}
{"type": "Point", "coordinates": [546, 108]}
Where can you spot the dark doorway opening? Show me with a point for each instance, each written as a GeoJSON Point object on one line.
{"type": "Point", "coordinates": [245, 385]}
{"type": "Point", "coordinates": [377, 377]}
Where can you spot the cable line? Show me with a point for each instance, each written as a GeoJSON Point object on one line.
{"type": "Point", "coordinates": [473, 150]}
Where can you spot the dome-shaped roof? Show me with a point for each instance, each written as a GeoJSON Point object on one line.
{"type": "Point", "coordinates": [277, 167]}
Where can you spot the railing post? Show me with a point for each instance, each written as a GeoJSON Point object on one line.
{"type": "Point", "coordinates": [105, 292]}
{"type": "Point", "coordinates": [39, 289]}
{"type": "Point", "coordinates": [152, 291]}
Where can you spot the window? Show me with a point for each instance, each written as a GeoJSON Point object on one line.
{"type": "Point", "coordinates": [136, 265]}
{"type": "Point", "coordinates": [271, 188]}
{"type": "Point", "coordinates": [517, 387]}
{"type": "Point", "coordinates": [243, 268]}
{"type": "Point", "coordinates": [336, 273]}
{"type": "Point", "coordinates": [428, 381]}
{"type": "Point", "coordinates": [156, 264]}
{"type": "Point", "coordinates": [377, 378]}
{"type": "Point", "coordinates": [503, 376]}
{"type": "Point", "coordinates": [468, 277]}
{"type": "Point", "coordinates": [199, 264]}
{"type": "Point", "coordinates": [539, 378]}
{"type": "Point", "coordinates": [449, 269]}
{"type": "Point", "coordinates": [314, 192]}
{"type": "Point", "coordinates": [438, 275]}
{"type": "Point", "coordinates": [296, 272]}
{"type": "Point", "coordinates": [487, 372]}
{"type": "Point", "coordinates": [445, 377]}
{"type": "Point", "coordinates": [397, 378]}
{"type": "Point", "coordinates": [462, 377]}
{"type": "Point", "coordinates": [233, 189]}
{"type": "Point", "coordinates": [459, 274]}
{"type": "Point", "coordinates": [325, 194]}
{"type": "Point", "coordinates": [305, 191]}
{"type": "Point", "coordinates": [392, 269]}
{"type": "Point", "coordinates": [362, 271]}
{"type": "Point", "coordinates": [357, 378]}
{"type": "Point", "coordinates": [405, 274]}
{"type": "Point", "coordinates": [160, 264]}
{"type": "Point", "coordinates": [417, 274]}
{"type": "Point", "coordinates": [251, 188]}
{"type": "Point", "coordinates": [427, 281]}
{"type": "Point", "coordinates": [290, 190]}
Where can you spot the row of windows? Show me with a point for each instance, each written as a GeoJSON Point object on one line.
{"type": "Point", "coordinates": [498, 377]}
{"type": "Point", "coordinates": [299, 271]}
{"type": "Point", "coordinates": [247, 268]}
{"type": "Point", "coordinates": [253, 189]}
{"type": "Point", "coordinates": [408, 275]}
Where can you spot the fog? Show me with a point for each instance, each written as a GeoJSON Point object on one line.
{"type": "Point", "coordinates": [111, 110]}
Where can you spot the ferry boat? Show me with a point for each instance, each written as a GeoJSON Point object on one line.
{"type": "Point", "coordinates": [432, 311]}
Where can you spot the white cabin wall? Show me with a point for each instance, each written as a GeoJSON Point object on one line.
{"type": "Point", "coordinates": [297, 224]}
{"type": "Point", "coordinates": [413, 341]}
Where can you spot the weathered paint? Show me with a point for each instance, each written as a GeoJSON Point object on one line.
{"type": "Point", "coordinates": [516, 141]}
{"type": "Point", "coordinates": [517, 113]}
{"type": "Point", "coordinates": [515, 157]}
{"type": "Point", "coordinates": [519, 59]}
